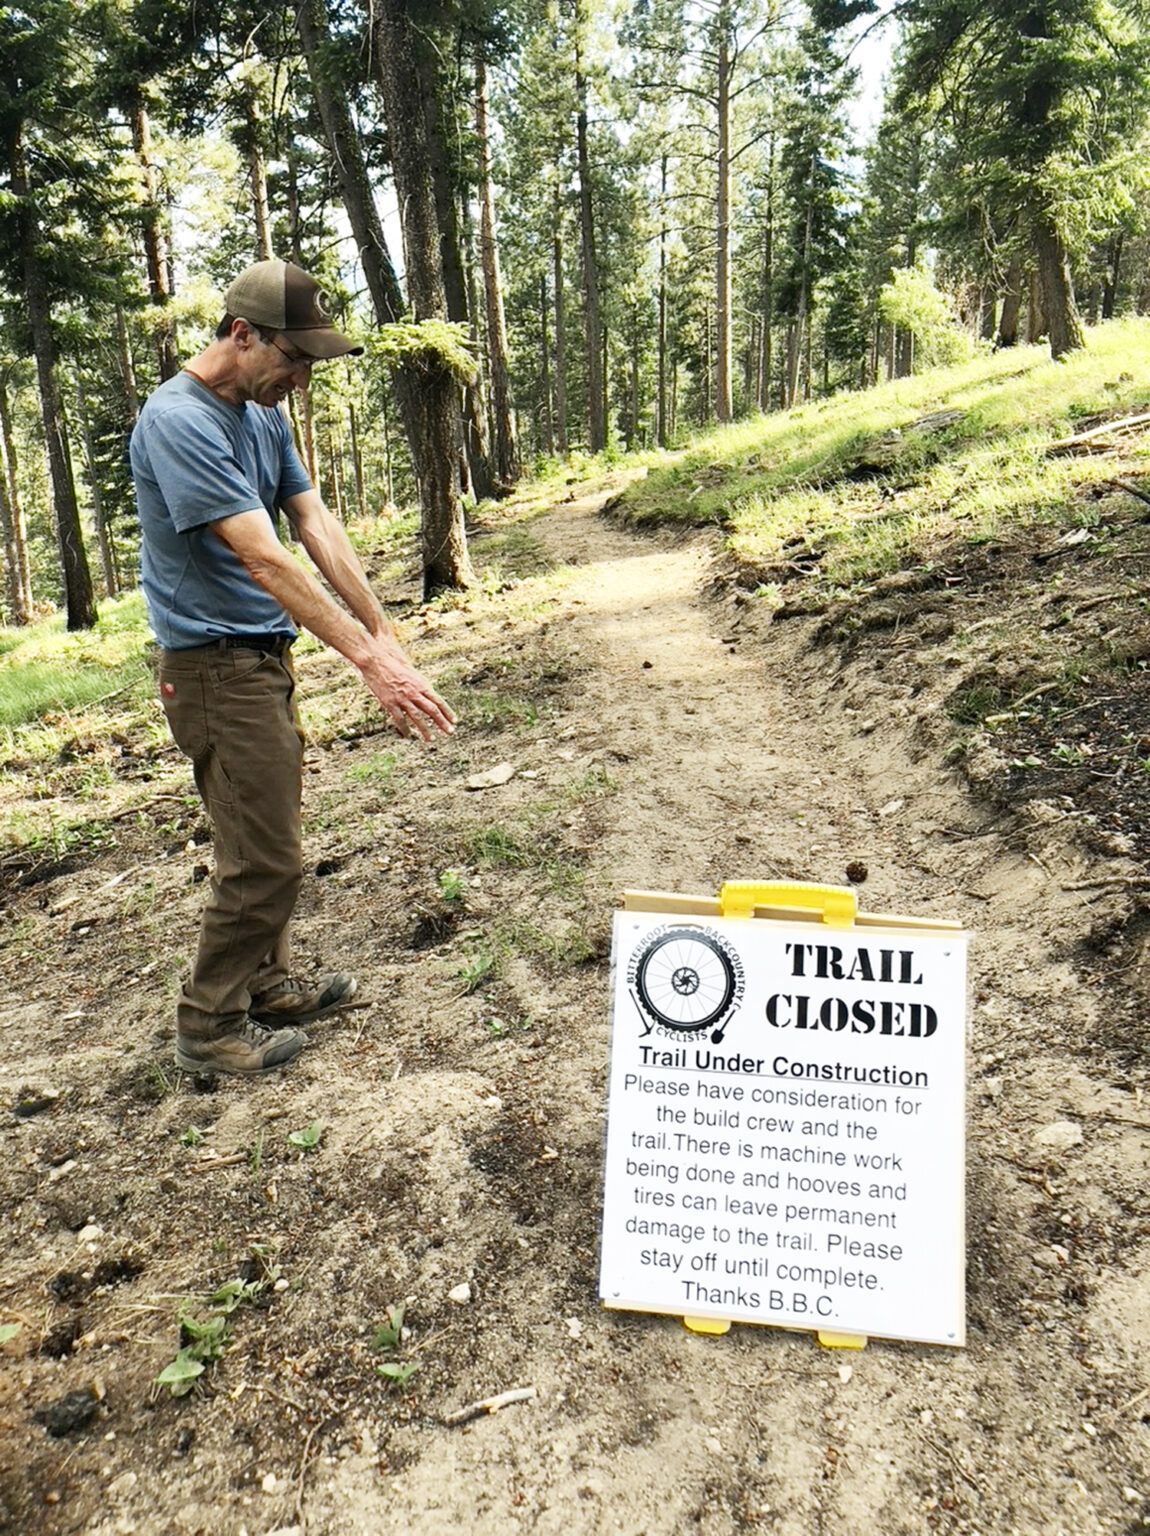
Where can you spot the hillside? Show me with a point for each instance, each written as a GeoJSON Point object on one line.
{"type": "Point", "coordinates": [940, 688]}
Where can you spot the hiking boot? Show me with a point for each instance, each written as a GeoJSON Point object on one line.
{"type": "Point", "coordinates": [245, 1050]}
{"type": "Point", "coordinates": [297, 1002]}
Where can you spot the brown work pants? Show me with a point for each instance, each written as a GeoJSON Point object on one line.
{"type": "Point", "coordinates": [232, 712]}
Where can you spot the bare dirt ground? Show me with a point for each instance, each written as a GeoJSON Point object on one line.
{"type": "Point", "coordinates": [666, 740]}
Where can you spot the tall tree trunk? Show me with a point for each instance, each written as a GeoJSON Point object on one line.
{"type": "Point", "coordinates": [1110, 280]}
{"type": "Point", "coordinates": [252, 133]}
{"type": "Point", "coordinates": [506, 448]}
{"type": "Point", "coordinates": [455, 237]}
{"type": "Point", "coordinates": [633, 411]}
{"type": "Point", "coordinates": [299, 401]}
{"type": "Point", "coordinates": [986, 315]}
{"type": "Point", "coordinates": [335, 478]}
{"type": "Point", "coordinates": [16, 612]}
{"type": "Point", "coordinates": [723, 225]}
{"type": "Point", "coordinates": [155, 254]}
{"type": "Point", "coordinates": [1035, 319]}
{"type": "Point", "coordinates": [708, 370]}
{"type": "Point", "coordinates": [388, 472]}
{"type": "Point", "coordinates": [103, 530]}
{"type": "Point", "coordinates": [1057, 286]}
{"type": "Point", "coordinates": [477, 432]}
{"type": "Point", "coordinates": [77, 578]}
{"type": "Point", "coordinates": [794, 358]}
{"type": "Point", "coordinates": [356, 460]}
{"type": "Point", "coordinates": [15, 531]}
{"type": "Point", "coordinates": [606, 363]}
{"type": "Point", "coordinates": [560, 342]}
{"type": "Point", "coordinates": [1011, 305]}
{"type": "Point", "coordinates": [546, 435]}
{"type": "Point", "coordinates": [661, 435]}
{"type": "Point", "coordinates": [904, 354]}
{"type": "Point", "coordinates": [351, 171]}
{"type": "Point", "coordinates": [592, 324]}
{"type": "Point", "coordinates": [768, 278]}
{"type": "Point", "coordinates": [424, 433]}
{"type": "Point", "coordinates": [1042, 99]}
{"type": "Point", "coordinates": [127, 366]}
{"type": "Point", "coordinates": [429, 391]}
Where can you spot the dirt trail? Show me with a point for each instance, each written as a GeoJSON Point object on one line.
{"type": "Point", "coordinates": [732, 754]}
{"type": "Point", "coordinates": [738, 762]}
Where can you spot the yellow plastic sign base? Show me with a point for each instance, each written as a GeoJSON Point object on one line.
{"type": "Point", "coordinates": [842, 1340]}
{"type": "Point", "coordinates": [716, 1325]}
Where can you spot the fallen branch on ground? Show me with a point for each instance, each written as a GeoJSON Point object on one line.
{"type": "Point", "coordinates": [1125, 882]}
{"type": "Point", "coordinates": [489, 1405]}
{"type": "Point", "coordinates": [1131, 490]}
{"type": "Point", "coordinates": [1080, 442]}
{"type": "Point", "coordinates": [1018, 703]}
{"type": "Point", "coordinates": [218, 1162]}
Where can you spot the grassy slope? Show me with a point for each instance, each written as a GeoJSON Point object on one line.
{"type": "Point", "coordinates": [69, 703]}
{"type": "Point", "coordinates": [779, 479]}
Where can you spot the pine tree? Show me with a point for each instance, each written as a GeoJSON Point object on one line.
{"type": "Point", "coordinates": [1050, 96]}
{"type": "Point", "coordinates": [815, 186]}
{"type": "Point", "coordinates": [60, 199]}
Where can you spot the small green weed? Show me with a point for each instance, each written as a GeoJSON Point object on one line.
{"type": "Point", "coordinates": [479, 967]}
{"type": "Point", "coordinates": [378, 771]}
{"type": "Point", "coordinates": [256, 1154]}
{"type": "Point", "coordinates": [1073, 757]}
{"type": "Point", "coordinates": [497, 846]}
{"type": "Point", "coordinates": [192, 1137]}
{"type": "Point", "coordinates": [205, 1329]}
{"type": "Point", "coordinates": [452, 886]}
{"type": "Point", "coordinates": [389, 1333]}
{"type": "Point", "coordinates": [308, 1139]}
{"type": "Point", "coordinates": [9, 1331]}
{"type": "Point", "coordinates": [493, 711]}
{"type": "Point", "coordinates": [497, 1027]}
{"type": "Point", "coordinates": [972, 705]}
{"type": "Point", "coordinates": [159, 1084]}
{"type": "Point", "coordinates": [396, 1373]}
{"type": "Point", "coordinates": [593, 785]}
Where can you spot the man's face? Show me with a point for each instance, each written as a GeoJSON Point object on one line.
{"type": "Point", "coordinates": [272, 369]}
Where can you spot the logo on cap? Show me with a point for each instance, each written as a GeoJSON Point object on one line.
{"type": "Point", "coordinates": [322, 301]}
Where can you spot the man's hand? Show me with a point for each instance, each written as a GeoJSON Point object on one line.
{"type": "Point", "coordinates": [407, 697]}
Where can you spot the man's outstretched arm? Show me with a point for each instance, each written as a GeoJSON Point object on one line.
{"type": "Point", "coordinates": [370, 644]}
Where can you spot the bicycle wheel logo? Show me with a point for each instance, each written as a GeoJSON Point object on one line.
{"type": "Point", "coordinates": [685, 981]}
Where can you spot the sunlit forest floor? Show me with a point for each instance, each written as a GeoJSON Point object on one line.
{"type": "Point", "coordinates": [889, 631]}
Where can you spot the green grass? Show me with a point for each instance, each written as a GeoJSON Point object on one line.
{"type": "Point", "coordinates": [377, 771]}
{"type": "Point", "coordinates": [507, 557]}
{"type": "Point", "coordinates": [497, 847]}
{"type": "Point", "coordinates": [777, 479]}
{"type": "Point", "coordinates": [46, 672]}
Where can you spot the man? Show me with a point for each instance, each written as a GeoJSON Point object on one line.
{"type": "Point", "coordinates": [213, 463]}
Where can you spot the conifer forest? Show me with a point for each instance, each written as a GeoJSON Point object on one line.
{"type": "Point", "coordinates": [561, 227]}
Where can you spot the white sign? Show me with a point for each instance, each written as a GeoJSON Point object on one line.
{"type": "Point", "coordinates": [786, 1125]}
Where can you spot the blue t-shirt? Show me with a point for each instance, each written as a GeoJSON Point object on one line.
{"type": "Point", "coordinates": [197, 459]}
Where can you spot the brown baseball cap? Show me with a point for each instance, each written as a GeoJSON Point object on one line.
{"type": "Point", "coordinates": [282, 296]}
